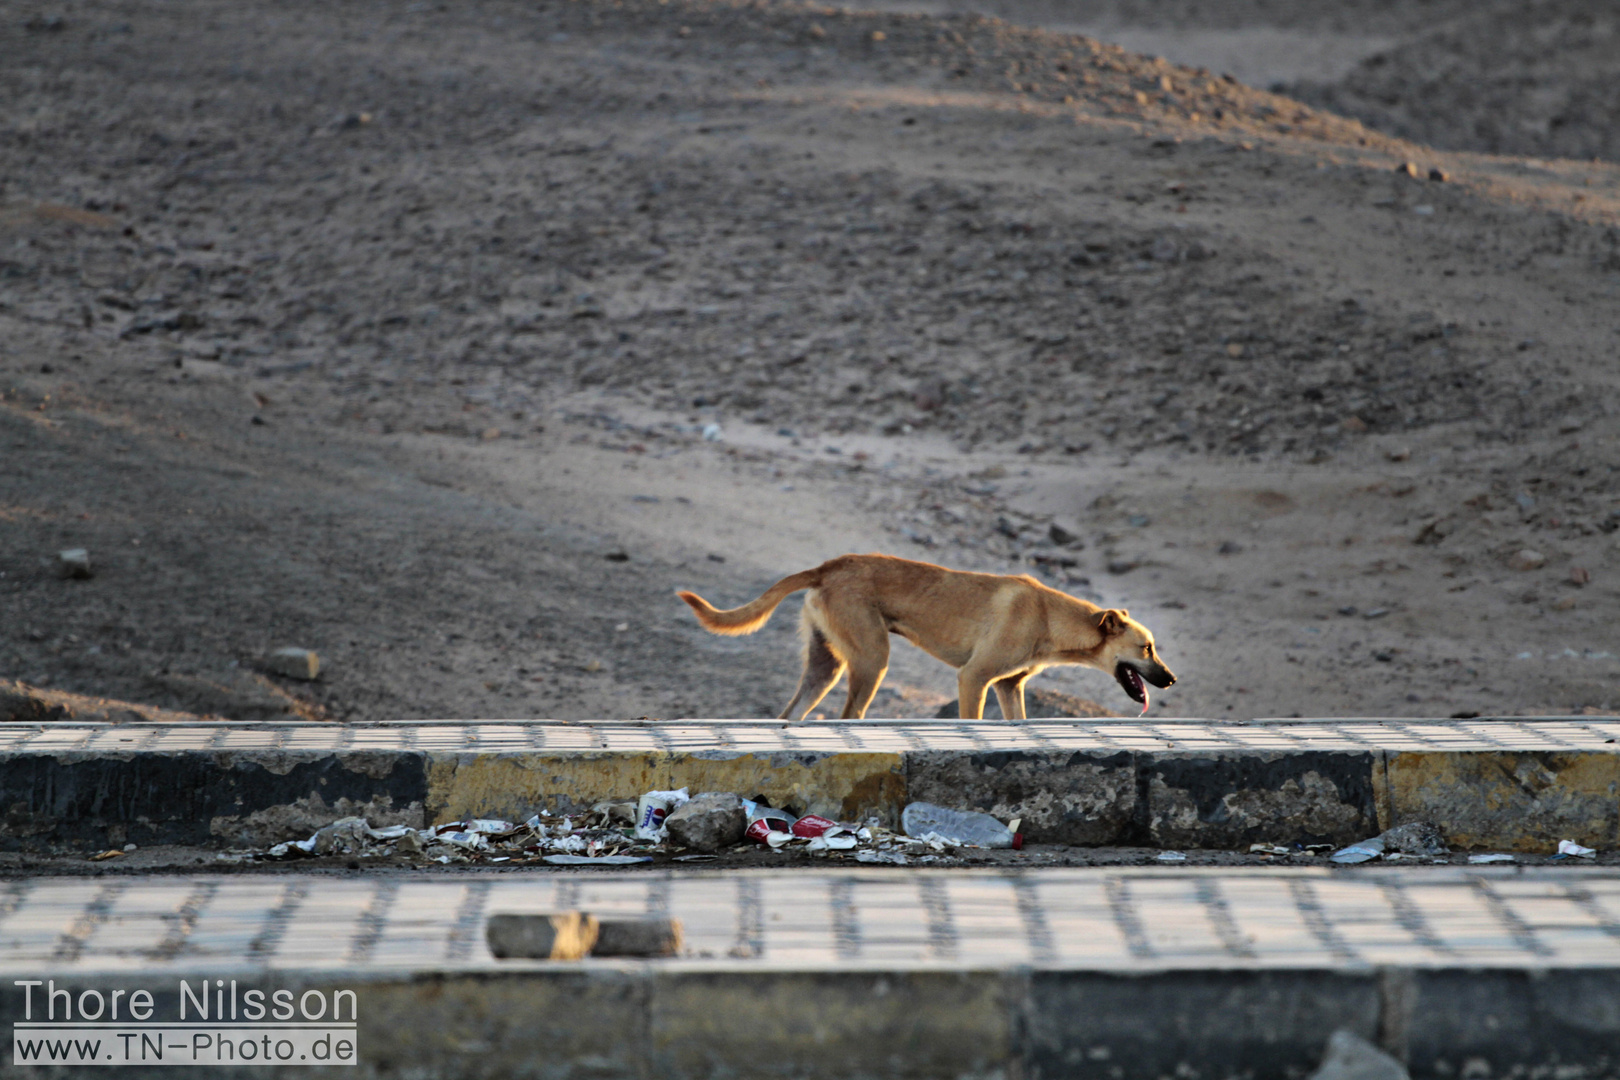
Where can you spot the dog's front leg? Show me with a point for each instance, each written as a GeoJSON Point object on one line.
{"type": "Point", "coordinates": [970, 688]}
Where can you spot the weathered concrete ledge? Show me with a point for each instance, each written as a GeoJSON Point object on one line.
{"type": "Point", "coordinates": [950, 1025]}
{"type": "Point", "coordinates": [1501, 784]}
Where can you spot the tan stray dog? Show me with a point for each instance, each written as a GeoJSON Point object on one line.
{"type": "Point", "coordinates": [996, 630]}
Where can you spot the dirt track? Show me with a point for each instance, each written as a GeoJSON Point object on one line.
{"type": "Point", "coordinates": [379, 328]}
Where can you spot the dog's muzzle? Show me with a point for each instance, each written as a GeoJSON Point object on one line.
{"type": "Point", "coordinates": [1131, 680]}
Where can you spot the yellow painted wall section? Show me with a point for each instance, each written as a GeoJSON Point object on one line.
{"type": "Point", "coordinates": [1510, 802]}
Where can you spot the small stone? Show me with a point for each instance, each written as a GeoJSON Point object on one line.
{"type": "Point", "coordinates": [1566, 603]}
{"type": "Point", "coordinates": [1350, 1057]}
{"type": "Point", "coordinates": [1408, 168]}
{"type": "Point", "coordinates": [1399, 455]}
{"type": "Point", "coordinates": [708, 822]}
{"type": "Point", "coordinates": [565, 936]}
{"type": "Point", "coordinates": [638, 937]}
{"type": "Point", "coordinates": [878, 35]}
{"type": "Point", "coordinates": [1439, 175]}
{"type": "Point", "coordinates": [1165, 250]}
{"type": "Point", "coordinates": [616, 556]}
{"type": "Point", "coordinates": [74, 563]}
{"type": "Point", "coordinates": [490, 434]}
{"type": "Point", "coordinates": [1353, 424]}
{"type": "Point", "coordinates": [1061, 536]}
{"type": "Point", "coordinates": [1415, 838]}
{"type": "Point", "coordinates": [1121, 566]}
{"type": "Point", "coordinates": [1527, 559]}
{"type": "Point", "coordinates": [1229, 547]}
{"type": "Point", "coordinates": [592, 666]}
{"type": "Point", "coordinates": [293, 663]}
{"type": "Point", "coordinates": [1579, 575]}
{"type": "Point", "coordinates": [343, 836]}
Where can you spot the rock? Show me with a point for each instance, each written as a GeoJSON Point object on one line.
{"type": "Point", "coordinates": [1579, 575]}
{"type": "Point", "coordinates": [19, 703]}
{"type": "Point", "coordinates": [1415, 838]}
{"type": "Point", "coordinates": [638, 937]}
{"type": "Point", "coordinates": [1527, 559]}
{"type": "Point", "coordinates": [1229, 547]}
{"type": "Point", "coordinates": [1062, 537]}
{"type": "Point", "coordinates": [708, 822]}
{"type": "Point", "coordinates": [1439, 175]}
{"type": "Point", "coordinates": [74, 563]}
{"type": "Point", "coordinates": [1350, 1057]}
{"type": "Point", "coordinates": [1353, 424]}
{"type": "Point", "coordinates": [342, 837]}
{"type": "Point", "coordinates": [568, 936]}
{"type": "Point", "coordinates": [1165, 250]}
{"type": "Point", "coordinates": [293, 663]}
{"type": "Point", "coordinates": [1408, 168]}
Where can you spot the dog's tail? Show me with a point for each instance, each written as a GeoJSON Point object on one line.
{"type": "Point", "coordinates": [753, 615]}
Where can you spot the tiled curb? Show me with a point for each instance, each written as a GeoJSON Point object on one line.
{"type": "Point", "coordinates": [841, 974]}
{"type": "Point", "coordinates": [1498, 783]}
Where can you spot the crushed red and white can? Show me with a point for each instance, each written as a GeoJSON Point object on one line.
{"type": "Point", "coordinates": [812, 825]}
{"type": "Point", "coordinates": [760, 832]}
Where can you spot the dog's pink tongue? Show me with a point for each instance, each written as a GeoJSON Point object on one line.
{"type": "Point", "coordinates": [1144, 702]}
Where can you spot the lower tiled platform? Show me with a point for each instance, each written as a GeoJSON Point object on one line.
{"type": "Point", "coordinates": [860, 972]}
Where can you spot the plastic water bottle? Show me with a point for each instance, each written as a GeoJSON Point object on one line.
{"type": "Point", "coordinates": [961, 826]}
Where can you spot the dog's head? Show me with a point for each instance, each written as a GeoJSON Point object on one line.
{"type": "Point", "coordinates": [1129, 654]}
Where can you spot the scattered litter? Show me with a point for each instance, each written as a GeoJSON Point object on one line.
{"type": "Point", "coordinates": [1171, 856]}
{"type": "Point", "coordinates": [653, 808]}
{"type": "Point", "coordinates": [1350, 1057]}
{"type": "Point", "coordinates": [925, 821]}
{"type": "Point", "coordinates": [1567, 848]}
{"type": "Point", "coordinates": [625, 833]}
{"type": "Point", "coordinates": [599, 860]}
{"type": "Point", "coordinates": [1415, 839]}
{"type": "Point", "coordinates": [1478, 860]}
{"type": "Point", "coordinates": [1269, 849]}
{"type": "Point", "coordinates": [1364, 851]}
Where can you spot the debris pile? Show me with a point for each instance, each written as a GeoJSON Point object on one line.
{"type": "Point", "coordinates": [674, 823]}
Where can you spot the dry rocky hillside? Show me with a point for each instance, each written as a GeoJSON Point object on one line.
{"type": "Point", "coordinates": [448, 340]}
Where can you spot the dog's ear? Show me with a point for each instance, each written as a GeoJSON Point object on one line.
{"type": "Point", "coordinates": [1112, 621]}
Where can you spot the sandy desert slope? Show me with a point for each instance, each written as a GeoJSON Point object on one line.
{"type": "Point", "coordinates": [395, 330]}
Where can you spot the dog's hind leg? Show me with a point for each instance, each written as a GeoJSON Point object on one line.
{"type": "Point", "coordinates": [863, 639]}
{"type": "Point", "coordinates": [821, 670]}
{"type": "Point", "coordinates": [1010, 692]}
